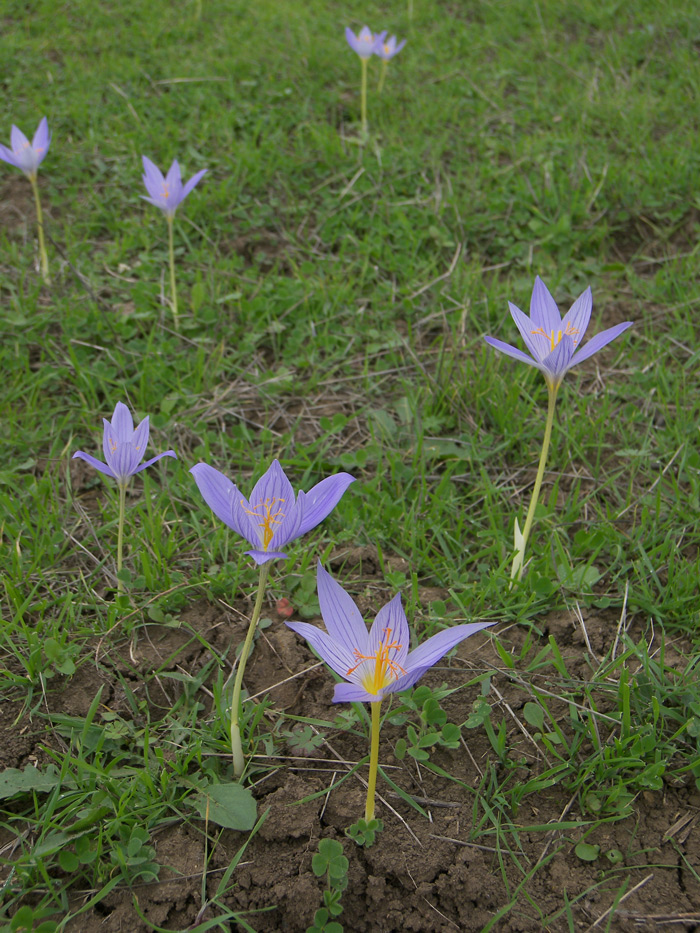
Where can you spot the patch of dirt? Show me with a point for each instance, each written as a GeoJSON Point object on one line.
{"type": "Point", "coordinates": [447, 870]}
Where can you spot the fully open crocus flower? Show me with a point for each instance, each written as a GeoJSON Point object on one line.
{"type": "Point", "coordinates": [24, 155]}
{"type": "Point", "coordinates": [555, 347]}
{"type": "Point", "coordinates": [374, 663]}
{"type": "Point", "coordinates": [273, 516]}
{"type": "Point", "coordinates": [387, 48]}
{"type": "Point", "coordinates": [555, 344]}
{"type": "Point", "coordinates": [124, 448]}
{"type": "Point", "coordinates": [364, 42]}
{"type": "Point", "coordinates": [378, 662]}
{"type": "Point", "coordinates": [169, 192]}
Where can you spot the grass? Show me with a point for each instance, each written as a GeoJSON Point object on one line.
{"type": "Point", "coordinates": [333, 300]}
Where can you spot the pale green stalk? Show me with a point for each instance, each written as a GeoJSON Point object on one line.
{"type": "Point", "coordinates": [171, 253]}
{"type": "Point", "coordinates": [521, 538]}
{"type": "Point", "coordinates": [373, 760]}
{"type": "Point", "coordinates": [236, 747]}
{"type": "Point", "coordinates": [120, 535]}
{"type": "Point", "coordinates": [382, 76]}
{"type": "Point", "coordinates": [363, 96]}
{"type": "Point", "coordinates": [40, 226]}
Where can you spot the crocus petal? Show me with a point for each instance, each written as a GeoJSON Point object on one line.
{"type": "Point", "coordinates": [94, 462]}
{"type": "Point", "coordinates": [511, 351]}
{"type": "Point", "coordinates": [124, 460]}
{"type": "Point", "coordinates": [557, 362]}
{"type": "Point", "coordinates": [407, 680]}
{"type": "Point", "coordinates": [7, 155]}
{"type": "Point", "coordinates": [151, 169]}
{"type": "Point", "coordinates": [598, 342]}
{"type": "Point", "coordinates": [336, 655]}
{"type": "Point", "coordinates": [139, 437]}
{"type": "Point", "coordinates": [577, 317]}
{"type": "Point", "coordinates": [154, 182]}
{"type": "Point", "coordinates": [437, 646]}
{"type": "Point", "coordinates": [539, 345]}
{"type": "Point", "coordinates": [353, 693]}
{"type": "Point", "coordinates": [174, 177]}
{"type": "Point", "coordinates": [41, 141]}
{"type": "Point", "coordinates": [340, 614]}
{"type": "Point", "coordinates": [123, 423]}
{"type": "Point", "coordinates": [18, 141]}
{"type": "Point", "coordinates": [320, 500]}
{"type": "Point", "coordinates": [399, 47]}
{"type": "Point", "coordinates": [390, 618]}
{"type": "Point", "coordinates": [166, 453]}
{"type": "Point", "coordinates": [262, 557]}
{"type": "Point", "coordinates": [544, 312]}
{"type": "Point", "coordinates": [221, 495]}
{"type": "Point", "coordinates": [192, 182]}
{"type": "Point", "coordinates": [351, 37]}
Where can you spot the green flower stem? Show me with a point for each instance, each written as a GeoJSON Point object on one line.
{"type": "Point", "coordinates": [120, 535]}
{"type": "Point", "coordinates": [173, 289]}
{"type": "Point", "coordinates": [40, 226]}
{"type": "Point", "coordinates": [519, 559]}
{"type": "Point", "coordinates": [236, 747]}
{"type": "Point", "coordinates": [363, 96]}
{"type": "Point", "coordinates": [382, 76]}
{"type": "Point", "coordinates": [373, 760]}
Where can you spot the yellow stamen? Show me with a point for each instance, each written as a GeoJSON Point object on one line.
{"type": "Point", "coordinates": [269, 518]}
{"type": "Point", "coordinates": [554, 341]}
{"type": "Point", "coordinates": [166, 193]}
{"type": "Point", "coordinates": [385, 668]}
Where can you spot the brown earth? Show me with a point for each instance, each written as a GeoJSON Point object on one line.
{"type": "Point", "coordinates": [443, 872]}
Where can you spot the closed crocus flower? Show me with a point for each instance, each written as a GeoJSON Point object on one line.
{"type": "Point", "coordinates": [124, 447]}
{"type": "Point", "coordinates": [24, 155]}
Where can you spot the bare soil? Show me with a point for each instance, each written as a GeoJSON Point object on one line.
{"type": "Point", "coordinates": [425, 873]}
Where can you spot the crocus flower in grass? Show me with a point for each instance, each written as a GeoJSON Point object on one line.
{"type": "Point", "coordinates": [377, 663]}
{"type": "Point", "coordinates": [24, 155]}
{"type": "Point", "coordinates": [28, 157]}
{"type": "Point", "coordinates": [274, 515]}
{"type": "Point", "coordinates": [124, 448]}
{"type": "Point", "coordinates": [554, 345]}
{"type": "Point", "coordinates": [386, 49]}
{"type": "Point", "coordinates": [270, 519]}
{"type": "Point", "coordinates": [364, 44]}
{"type": "Point", "coordinates": [167, 194]}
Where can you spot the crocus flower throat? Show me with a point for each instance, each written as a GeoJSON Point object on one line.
{"type": "Point", "coordinates": [555, 341]}
{"type": "Point", "coordinates": [384, 670]}
{"type": "Point", "coordinates": [269, 518]}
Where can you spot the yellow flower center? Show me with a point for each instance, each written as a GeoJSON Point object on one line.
{"type": "Point", "coordinates": [269, 518]}
{"type": "Point", "coordinates": [385, 669]}
{"type": "Point", "coordinates": [555, 340]}
{"type": "Point", "coordinates": [166, 192]}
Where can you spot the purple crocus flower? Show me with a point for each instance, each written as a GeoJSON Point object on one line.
{"type": "Point", "coordinates": [552, 342]}
{"type": "Point", "coordinates": [169, 192]}
{"type": "Point", "coordinates": [387, 48]}
{"type": "Point", "coordinates": [24, 155]}
{"type": "Point", "coordinates": [124, 447]}
{"type": "Point", "coordinates": [378, 662]}
{"type": "Point", "coordinates": [363, 43]}
{"type": "Point", "coordinates": [272, 515]}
